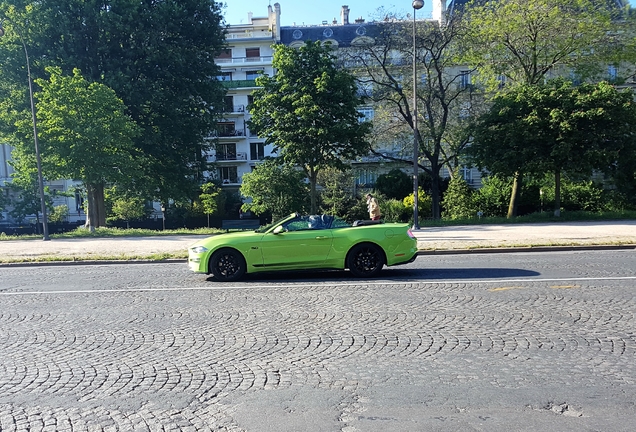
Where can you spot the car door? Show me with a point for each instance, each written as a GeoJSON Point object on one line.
{"type": "Point", "coordinates": [297, 246]}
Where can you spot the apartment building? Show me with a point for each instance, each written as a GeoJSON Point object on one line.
{"type": "Point", "coordinates": [249, 54]}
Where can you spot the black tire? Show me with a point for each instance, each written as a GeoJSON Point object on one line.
{"type": "Point", "coordinates": [227, 265]}
{"type": "Point", "coordinates": [365, 260]}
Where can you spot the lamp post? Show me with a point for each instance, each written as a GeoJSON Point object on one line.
{"type": "Point", "coordinates": [45, 224]}
{"type": "Point", "coordinates": [417, 4]}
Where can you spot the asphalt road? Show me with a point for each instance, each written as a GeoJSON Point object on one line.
{"type": "Point", "coordinates": [507, 342]}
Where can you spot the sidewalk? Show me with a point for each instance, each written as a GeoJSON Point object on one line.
{"type": "Point", "coordinates": [430, 240]}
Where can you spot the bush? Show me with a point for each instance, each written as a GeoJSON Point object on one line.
{"type": "Point", "coordinates": [424, 204]}
{"type": "Point", "coordinates": [59, 214]}
{"type": "Point", "coordinates": [394, 211]}
{"type": "Point", "coordinates": [575, 196]}
{"type": "Point", "coordinates": [493, 197]}
{"type": "Point", "coordinates": [458, 202]}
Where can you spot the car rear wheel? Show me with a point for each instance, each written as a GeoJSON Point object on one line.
{"type": "Point", "coordinates": [365, 260]}
{"type": "Point", "coordinates": [227, 265]}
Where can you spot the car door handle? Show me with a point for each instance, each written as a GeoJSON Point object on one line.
{"type": "Point", "coordinates": [321, 237]}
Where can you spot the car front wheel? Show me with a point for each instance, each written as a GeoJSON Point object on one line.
{"type": "Point", "coordinates": [365, 260]}
{"type": "Point", "coordinates": [227, 265]}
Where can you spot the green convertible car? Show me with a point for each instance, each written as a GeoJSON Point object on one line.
{"type": "Point", "coordinates": [305, 242]}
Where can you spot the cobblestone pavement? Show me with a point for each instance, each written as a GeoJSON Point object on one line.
{"type": "Point", "coordinates": [180, 353]}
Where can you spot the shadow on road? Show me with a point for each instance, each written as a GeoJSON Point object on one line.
{"type": "Point", "coordinates": [392, 274]}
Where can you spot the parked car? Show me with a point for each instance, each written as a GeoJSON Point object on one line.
{"type": "Point", "coordinates": [305, 242]}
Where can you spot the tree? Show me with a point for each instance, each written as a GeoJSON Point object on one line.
{"type": "Point", "coordinates": [459, 200]}
{"type": "Point", "coordinates": [308, 111]}
{"type": "Point", "coordinates": [158, 57]}
{"type": "Point", "coordinates": [86, 136]}
{"type": "Point", "coordinates": [444, 97]}
{"type": "Point", "coordinates": [337, 196]}
{"type": "Point", "coordinates": [129, 208]}
{"type": "Point", "coordinates": [526, 40]}
{"type": "Point", "coordinates": [522, 42]}
{"type": "Point", "coordinates": [276, 189]}
{"type": "Point", "coordinates": [555, 128]}
{"type": "Point", "coordinates": [209, 197]}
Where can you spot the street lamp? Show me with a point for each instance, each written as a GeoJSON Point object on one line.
{"type": "Point", "coordinates": [417, 4]}
{"type": "Point", "coordinates": [45, 224]}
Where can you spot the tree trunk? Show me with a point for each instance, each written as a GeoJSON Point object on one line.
{"type": "Point", "coordinates": [516, 188]}
{"type": "Point", "coordinates": [557, 193]}
{"type": "Point", "coordinates": [91, 211]}
{"type": "Point", "coordinates": [101, 205]}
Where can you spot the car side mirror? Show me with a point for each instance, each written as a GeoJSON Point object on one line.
{"type": "Point", "coordinates": [279, 229]}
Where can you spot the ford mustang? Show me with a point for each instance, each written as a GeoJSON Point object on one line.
{"type": "Point", "coordinates": [300, 242]}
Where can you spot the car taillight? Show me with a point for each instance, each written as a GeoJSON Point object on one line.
{"type": "Point", "coordinates": [410, 234]}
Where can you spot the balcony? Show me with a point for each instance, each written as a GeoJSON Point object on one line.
{"type": "Point", "coordinates": [231, 157]}
{"type": "Point", "coordinates": [239, 84]}
{"type": "Point", "coordinates": [235, 109]}
{"type": "Point", "coordinates": [251, 34]}
{"type": "Point", "coordinates": [243, 60]}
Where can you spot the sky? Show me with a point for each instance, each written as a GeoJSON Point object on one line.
{"type": "Point", "coordinates": [303, 12]}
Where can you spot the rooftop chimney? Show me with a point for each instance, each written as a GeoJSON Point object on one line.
{"type": "Point", "coordinates": [344, 14]}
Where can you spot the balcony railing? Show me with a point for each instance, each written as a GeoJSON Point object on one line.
{"type": "Point", "coordinates": [239, 84]}
{"type": "Point", "coordinates": [239, 156]}
{"type": "Point", "coordinates": [228, 133]}
{"type": "Point", "coordinates": [243, 60]}
{"type": "Point", "coordinates": [234, 109]}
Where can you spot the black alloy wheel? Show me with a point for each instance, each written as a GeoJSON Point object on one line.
{"type": "Point", "coordinates": [227, 265]}
{"type": "Point", "coordinates": [365, 260]}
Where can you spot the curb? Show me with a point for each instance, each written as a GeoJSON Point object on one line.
{"type": "Point", "coordinates": [421, 252]}
{"type": "Point", "coordinates": [525, 249]}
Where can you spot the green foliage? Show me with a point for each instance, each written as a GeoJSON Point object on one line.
{"type": "Point", "coordinates": [394, 210]}
{"type": "Point", "coordinates": [86, 135]}
{"type": "Point", "coordinates": [554, 128]}
{"type": "Point", "coordinates": [276, 189]}
{"type": "Point", "coordinates": [309, 111]}
{"type": "Point", "coordinates": [493, 197]}
{"type": "Point", "coordinates": [458, 202]}
{"type": "Point", "coordinates": [59, 214]}
{"type": "Point", "coordinates": [576, 196]}
{"type": "Point", "coordinates": [526, 40]}
{"type": "Point", "coordinates": [396, 184]}
{"type": "Point", "coordinates": [128, 209]}
{"type": "Point", "coordinates": [424, 203]}
{"type": "Point", "coordinates": [336, 195]}
{"type": "Point", "coordinates": [157, 56]}
{"type": "Point", "coordinates": [210, 195]}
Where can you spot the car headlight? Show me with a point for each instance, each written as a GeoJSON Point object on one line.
{"type": "Point", "coordinates": [199, 249]}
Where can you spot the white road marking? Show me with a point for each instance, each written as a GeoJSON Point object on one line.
{"type": "Point", "coordinates": [221, 287]}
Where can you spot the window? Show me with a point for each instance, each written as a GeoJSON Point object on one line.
{"type": "Point", "coordinates": [612, 72]}
{"type": "Point", "coordinates": [464, 79]}
{"type": "Point", "coordinates": [224, 56]}
{"type": "Point", "coordinates": [251, 75]}
{"type": "Point", "coordinates": [224, 76]}
{"type": "Point", "coordinates": [226, 129]}
{"type": "Point", "coordinates": [226, 152]}
{"type": "Point", "coordinates": [365, 89]}
{"type": "Point", "coordinates": [257, 151]}
{"type": "Point", "coordinates": [467, 175]}
{"type": "Point", "coordinates": [367, 112]}
{"type": "Point", "coordinates": [228, 104]}
{"type": "Point", "coordinates": [253, 53]}
{"type": "Point", "coordinates": [228, 175]}
{"type": "Point", "coordinates": [366, 178]}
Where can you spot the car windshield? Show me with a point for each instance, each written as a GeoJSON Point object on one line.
{"type": "Point", "coordinates": [307, 222]}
